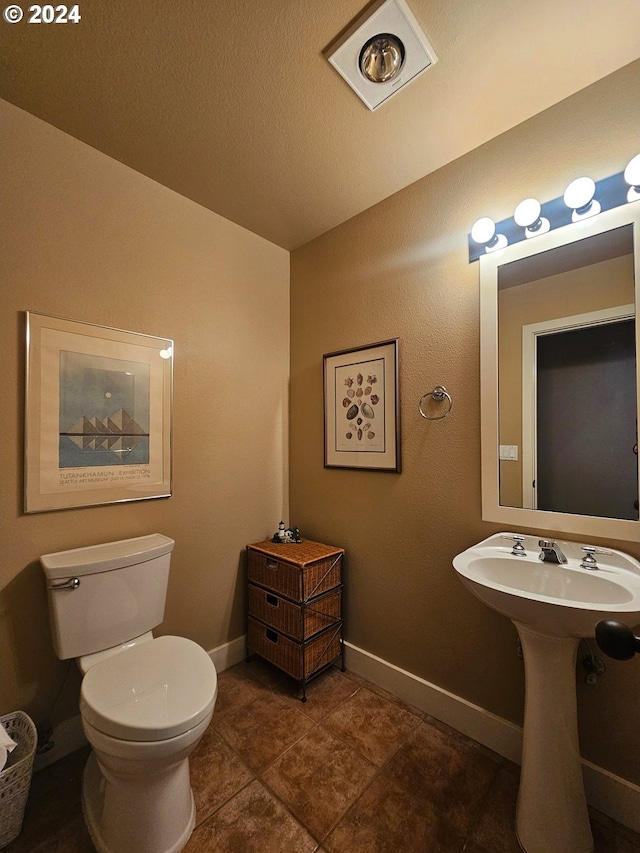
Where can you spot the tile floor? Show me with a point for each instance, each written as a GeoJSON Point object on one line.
{"type": "Point", "coordinates": [353, 770]}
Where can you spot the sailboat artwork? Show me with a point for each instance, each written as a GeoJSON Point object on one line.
{"type": "Point", "coordinates": [97, 415]}
{"type": "Point", "coordinates": [98, 399]}
{"type": "Point", "coordinates": [118, 433]}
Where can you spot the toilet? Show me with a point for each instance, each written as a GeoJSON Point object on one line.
{"type": "Point", "coordinates": [145, 702]}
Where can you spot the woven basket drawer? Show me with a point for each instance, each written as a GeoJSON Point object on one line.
{"type": "Point", "coordinates": [298, 622]}
{"type": "Point", "coordinates": [297, 582]}
{"type": "Point", "coordinates": [299, 660]}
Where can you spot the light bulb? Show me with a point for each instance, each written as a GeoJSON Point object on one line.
{"type": "Point", "coordinates": [527, 216]}
{"type": "Point", "coordinates": [483, 232]}
{"type": "Point", "coordinates": [382, 58]}
{"type": "Point", "coordinates": [632, 177]}
{"type": "Point", "coordinates": [579, 196]}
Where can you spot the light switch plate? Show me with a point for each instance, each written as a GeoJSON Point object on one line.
{"type": "Point", "coordinates": [508, 452]}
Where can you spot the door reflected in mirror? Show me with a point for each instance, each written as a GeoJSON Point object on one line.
{"type": "Point", "coordinates": [560, 379]}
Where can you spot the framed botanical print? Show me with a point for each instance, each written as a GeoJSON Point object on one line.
{"type": "Point", "coordinates": [361, 408]}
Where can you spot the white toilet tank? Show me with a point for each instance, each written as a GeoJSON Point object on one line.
{"type": "Point", "coordinates": [107, 594]}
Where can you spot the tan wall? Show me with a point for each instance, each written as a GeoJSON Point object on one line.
{"type": "Point", "coordinates": [87, 238]}
{"type": "Point", "coordinates": [401, 270]}
{"type": "Point", "coordinates": [593, 288]}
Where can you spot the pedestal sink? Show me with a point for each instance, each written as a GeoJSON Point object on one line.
{"type": "Point", "coordinates": [552, 606]}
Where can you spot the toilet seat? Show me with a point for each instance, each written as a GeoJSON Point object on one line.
{"type": "Point", "coordinates": [150, 692]}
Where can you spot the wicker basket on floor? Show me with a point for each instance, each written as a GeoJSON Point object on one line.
{"type": "Point", "coordinates": [15, 778]}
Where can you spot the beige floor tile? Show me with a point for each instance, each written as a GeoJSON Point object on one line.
{"type": "Point", "coordinates": [264, 672]}
{"type": "Point", "coordinates": [216, 774]}
{"type": "Point", "coordinates": [324, 693]}
{"type": "Point", "coordinates": [386, 819]}
{"type": "Point", "coordinates": [404, 705]}
{"type": "Point", "coordinates": [236, 688]}
{"type": "Point", "coordinates": [495, 829]}
{"type": "Point", "coordinates": [73, 838]}
{"type": "Point", "coordinates": [252, 822]}
{"type": "Point", "coordinates": [262, 730]}
{"type": "Point", "coordinates": [372, 725]}
{"type": "Point", "coordinates": [434, 786]}
{"type": "Point", "coordinates": [449, 775]}
{"type": "Point", "coordinates": [318, 778]}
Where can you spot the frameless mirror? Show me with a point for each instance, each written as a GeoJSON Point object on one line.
{"type": "Point", "coordinates": [559, 377]}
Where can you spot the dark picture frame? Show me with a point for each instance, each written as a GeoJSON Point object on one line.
{"type": "Point", "coordinates": [362, 407]}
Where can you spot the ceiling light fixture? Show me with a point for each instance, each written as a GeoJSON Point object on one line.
{"type": "Point", "coordinates": [382, 51]}
{"type": "Point", "coordinates": [582, 198]}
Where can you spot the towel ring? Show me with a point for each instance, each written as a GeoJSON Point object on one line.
{"type": "Point", "coordinates": [439, 393]}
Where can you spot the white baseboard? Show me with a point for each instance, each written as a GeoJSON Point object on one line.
{"type": "Point", "coordinates": [610, 794]}
{"type": "Point", "coordinates": [229, 654]}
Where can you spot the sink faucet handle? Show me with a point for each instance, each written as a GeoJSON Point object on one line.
{"type": "Point", "coordinates": [589, 561]}
{"type": "Point", "coordinates": [518, 547]}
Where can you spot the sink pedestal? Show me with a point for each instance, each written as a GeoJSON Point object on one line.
{"type": "Point", "coordinates": [552, 808]}
{"type": "Point", "coordinates": [552, 605]}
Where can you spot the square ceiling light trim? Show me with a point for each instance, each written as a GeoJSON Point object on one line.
{"type": "Point", "coordinates": [386, 18]}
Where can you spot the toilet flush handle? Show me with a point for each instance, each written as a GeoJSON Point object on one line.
{"type": "Point", "coordinates": [71, 583]}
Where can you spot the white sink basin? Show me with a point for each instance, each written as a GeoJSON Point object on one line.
{"type": "Point", "coordinates": [563, 600]}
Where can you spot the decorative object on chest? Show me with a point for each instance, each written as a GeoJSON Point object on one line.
{"type": "Point", "coordinates": [295, 606]}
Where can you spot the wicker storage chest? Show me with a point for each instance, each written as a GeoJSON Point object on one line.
{"type": "Point", "coordinates": [299, 572]}
{"type": "Point", "coordinates": [299, 660]}
{"type": "Point", "coordinates": [295, 606]}
{"type": "Point", "coordinates": [295, 620]}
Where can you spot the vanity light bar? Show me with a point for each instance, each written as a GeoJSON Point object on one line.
{"type": "Point", "coordinates": [582, 198]}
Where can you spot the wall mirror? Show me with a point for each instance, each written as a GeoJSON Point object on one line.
{"type": "Point", "coordinates": [560, 381]}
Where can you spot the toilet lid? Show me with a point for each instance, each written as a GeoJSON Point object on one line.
{"type": "Point", "coordinates": [153, 691]}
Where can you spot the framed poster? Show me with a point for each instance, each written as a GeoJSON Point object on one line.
{"type": "Point", "coordinates": [97, 415]}
{"type": "Point", "coordinates": [361, 408]}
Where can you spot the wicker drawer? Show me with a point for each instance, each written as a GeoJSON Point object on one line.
{"type": "Point", "coordinates": [299, 572]}
{"type": "Point", "coordinates": [299, 660]}
{"type": "Point", "coordinates": [297, 621]}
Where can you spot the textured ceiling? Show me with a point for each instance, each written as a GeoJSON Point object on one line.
{"type": "Point", "coordinates": [231, 103]}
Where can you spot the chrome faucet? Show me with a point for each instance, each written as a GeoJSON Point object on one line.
{"type": "Point", "coordinates": [589, 561]}
{"type": "Point", "coordinates": [550, 552]}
